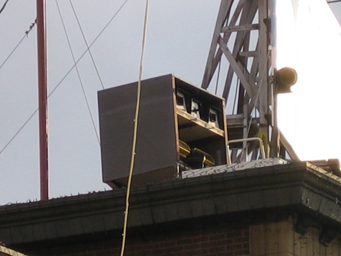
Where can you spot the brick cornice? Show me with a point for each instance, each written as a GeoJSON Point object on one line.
{"type": "Point", "coordinates": [293, 187]}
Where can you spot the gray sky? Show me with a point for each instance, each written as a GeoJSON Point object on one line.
{"type": "Point", "coordinates": [179, 34]}
{"type": "Point", "coordinates": [178, 40]}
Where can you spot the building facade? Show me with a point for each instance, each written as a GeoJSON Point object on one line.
{"type": "Point", "coordinates": [288, 209]}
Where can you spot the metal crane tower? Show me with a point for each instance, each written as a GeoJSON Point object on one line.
{"type": "Point", "coordinates": [241, 67]}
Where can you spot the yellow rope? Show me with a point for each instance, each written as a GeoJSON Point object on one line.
{"type": "Point", "coordinates": [133, 153]}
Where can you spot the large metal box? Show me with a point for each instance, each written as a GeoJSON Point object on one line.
{"type": "Point", "coordinates": [166, 119]}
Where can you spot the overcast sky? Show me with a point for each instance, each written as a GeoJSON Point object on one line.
{"type": "Point", "coordinates": [178, 40]}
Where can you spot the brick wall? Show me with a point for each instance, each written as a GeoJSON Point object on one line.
{"type": "Point", "coordinates": [279, 238]}
{"type": "Point", "coordinates": [220, 240]}
{"type": "Point", "coordinates": [213, 238]}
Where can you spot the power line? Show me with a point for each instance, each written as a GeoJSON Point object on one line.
{"type": "Point", "coordinates": [64, 77]}
{"type": "Point", "coordinates": [333, 1]}
{"type": "Point", "coordinates": [3, 6]}
{"type": "Point", "coordinates": [20, 129]}
{"type": "Point", "coordinates": [18, 44]}
{"type": "Point", "coordinates": [87, 45]}
{"type": "Point", "coordinates": [78, 73]}
{"type": "Point", "coordinates": [81, 57]}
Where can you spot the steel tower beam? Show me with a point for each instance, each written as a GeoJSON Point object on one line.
{"type": "Point", "coordinates": [240, 67]}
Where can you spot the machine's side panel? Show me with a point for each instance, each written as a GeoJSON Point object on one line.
{"type": "Point", "coordinates": [156, 142]}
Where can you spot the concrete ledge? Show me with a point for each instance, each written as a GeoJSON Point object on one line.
{"type": "Point", "coordinates": [8, 252]}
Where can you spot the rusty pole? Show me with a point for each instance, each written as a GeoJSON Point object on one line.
{"type": "Point", "coordinates": [42, 88]}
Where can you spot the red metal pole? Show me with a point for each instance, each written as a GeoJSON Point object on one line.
{"type": "Point", "coordinates": [42, 84]}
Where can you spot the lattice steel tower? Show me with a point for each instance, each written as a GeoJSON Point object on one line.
{"type": "Point", "coordinates": [241, 68]}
